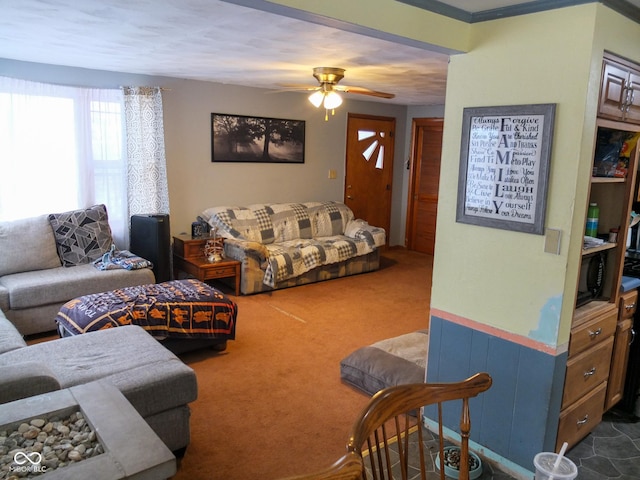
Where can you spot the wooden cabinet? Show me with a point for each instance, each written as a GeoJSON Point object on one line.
{"type": "Point", "coordinates": [587, 370]}
{"type": "Point", "coordinates": [598, 346]}
{"type": "Point", "coordinates": [577, 421]}
{"type": "Point", "coordinates": [601, 328]}
{"type": "Point", "coordinates": [620, 90]}
{"type": "Point", "coordinates": [590, 327]}
{"type": "Point", "coordinates": [620, 356]}
{"type": "Point", "coordinates": [189, 257]}
{"type": "Point", "coordinates": [189, 247]}
{"type": "Point", "coordinates": [588, 367]}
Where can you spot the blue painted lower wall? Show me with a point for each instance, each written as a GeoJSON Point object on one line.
{"type": "Point", "coordinates": [518, 416]}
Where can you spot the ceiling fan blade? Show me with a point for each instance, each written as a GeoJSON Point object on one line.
{"type": "Point", "coordinates": [363, 91]}
{"type": "Point", "coordinates": [296, 86]}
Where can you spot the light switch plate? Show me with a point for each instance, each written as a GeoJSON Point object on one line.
{"type": "Point", "coordinates": [552, 241]}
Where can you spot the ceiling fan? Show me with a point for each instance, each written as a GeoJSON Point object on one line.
{"type": "Point", "coordinates": [326, 94]}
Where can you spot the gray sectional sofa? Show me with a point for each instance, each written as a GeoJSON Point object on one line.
{"type": "Point", "coordinates": [156, 382]}
{"type": "Point", "coordinates": [45, 261]}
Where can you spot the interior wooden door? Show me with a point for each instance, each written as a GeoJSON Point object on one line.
{"type": "Point", "coordinates": [369, 168]}
{"type": "Point", "coordinates": [424, 181]}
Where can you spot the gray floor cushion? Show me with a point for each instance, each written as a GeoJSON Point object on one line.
{"type": "Point", "coordinates": [394, 361]}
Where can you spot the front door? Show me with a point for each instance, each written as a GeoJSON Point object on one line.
{"type": "Point", "coordinates": [423, 184]}
{"type": "Point", "coordinates": [369, 168]}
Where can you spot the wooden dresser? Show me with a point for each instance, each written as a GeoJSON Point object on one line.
{"type": "Point", "coordinates": [585, 389]}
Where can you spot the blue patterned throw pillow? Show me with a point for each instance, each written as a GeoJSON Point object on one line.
{"type": "Point", "coordinates": [82, 236]}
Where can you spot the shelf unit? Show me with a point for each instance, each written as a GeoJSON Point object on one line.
{"type": "Point", "coordinates": [602, 323]}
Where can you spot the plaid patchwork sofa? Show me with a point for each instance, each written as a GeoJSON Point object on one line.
{"type": "Point", "coordinates": [288, 244]}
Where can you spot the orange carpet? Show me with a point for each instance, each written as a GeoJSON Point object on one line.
{"type": "Point", "coordinates": [272, 405]}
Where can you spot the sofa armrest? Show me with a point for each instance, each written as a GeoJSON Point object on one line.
{"type": "Point", "coordinates": [359, 229]}
{"type": "Point", "coordinates": [10, 337]}
{"type": "Point", "coordinates": [4, 297]}
{"type": "Point", "coordinates": [241, 249]}
{"type": "Point", "coordinates": [26, 379]}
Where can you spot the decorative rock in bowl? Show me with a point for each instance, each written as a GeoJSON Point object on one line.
{"type": "Point", "coordinates": [452, 463]}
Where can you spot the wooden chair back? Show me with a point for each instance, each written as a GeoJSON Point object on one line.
{"type": "Point", "coordinates": [395, 412]}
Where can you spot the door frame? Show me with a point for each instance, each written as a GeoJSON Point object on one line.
{"type": "Point", "coordinates": [392, 163]}
{"type": "Point", "coordinates": [414, 175]}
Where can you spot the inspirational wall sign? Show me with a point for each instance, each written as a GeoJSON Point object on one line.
{"type": "Point", "coordinates": [504, 166]}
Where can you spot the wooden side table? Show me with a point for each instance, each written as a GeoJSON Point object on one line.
{"type": "Point", "coordinates": [188, 256]}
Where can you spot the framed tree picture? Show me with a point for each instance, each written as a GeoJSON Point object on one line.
{"type": "Point", "coordinates": [239, 138]}
{"type": "Point", "coordinates": [504, 166]}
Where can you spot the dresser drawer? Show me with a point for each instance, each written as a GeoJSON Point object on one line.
{"type": "Point", "coordinates": [215, 271]}
{"type": "Point", "coordinates": [593, 332]}
{"type": "Point", "coordinates": [586, 371]}
{"type": "Point", "coordinates": [628, 304]}
{"type": "Point", "coordinates": [188, 248]}
{"type": "Point", "coordinates": [583, 416]}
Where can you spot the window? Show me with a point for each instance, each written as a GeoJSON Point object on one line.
{"type": "Point", "coordinates": [62, 148]}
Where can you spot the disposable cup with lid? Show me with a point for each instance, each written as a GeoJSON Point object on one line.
{"type": "Point", "coordinates": [544, 463]}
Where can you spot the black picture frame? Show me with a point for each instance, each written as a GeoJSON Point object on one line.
{"type": "Point", "coordinates": [504, 166]}
{"type": "Point", "coordinates": [247, 139]}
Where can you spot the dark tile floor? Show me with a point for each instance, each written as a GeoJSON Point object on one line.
{"type": "Point", "coordinates": [611, 451]}
{"type": "Point", "coordinates": [489, 471]}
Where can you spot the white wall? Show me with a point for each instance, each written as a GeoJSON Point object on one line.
{"type": "Point", "coordinates": [196, 183]}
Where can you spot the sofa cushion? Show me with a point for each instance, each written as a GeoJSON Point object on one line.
{"type": "Point", "coordinates": [244, 223]}
{"type": "Point", "coordinates": [82, 236]}
{"type": "Point", "coordinates": [10, 338]}
{"type": "Point", "coordinates": [280, 222]}
{"type": "Point", "coordinates": [290, 222]}
{"type": "Point", "coordinates": [291, 259]}
{"type": "Point", "coordinates": [27, 244]}
{"type": "Point", "coordinates": [4, 297]}
{"type": "Point", "coordinates": [374, 236]}
{"type": "Point", "coordinates": [58, 285]}
{"type": "Point", "coordinates": [328, 218]}
{"type": "Point", "coordinates": [394, 361]}
{"type": "Point", "coordinates": [26, 379]}
{"type": "Point", "coordinates": [151, 377]}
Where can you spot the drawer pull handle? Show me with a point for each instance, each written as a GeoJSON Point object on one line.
{"type": "Point", "coordinates": [584, 420]}
{"type": "Point", "coordinates": [630, 307]}
{"type": "Point", "coordinates": [590, 372]}
{"type": "Point", "coordinates": [593, 334]}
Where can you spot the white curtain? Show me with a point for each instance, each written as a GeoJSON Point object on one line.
{"type": "Point", "coordinates": [64, 148]}
{"type": "Point", "coordinates": [146, 164]}
{"type": "Point", "coordinates": [61, 148]}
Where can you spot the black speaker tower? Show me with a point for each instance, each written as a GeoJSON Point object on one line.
{"type": "Point", "coordinates": [151, 239]}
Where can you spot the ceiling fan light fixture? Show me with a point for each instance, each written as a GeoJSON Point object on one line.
{"type": "Point", "coordinates": [325, 94]}
{"type": "Point", "coordinates": [332, 100]}
{"type": "Point", "coordinates": [316, 98]}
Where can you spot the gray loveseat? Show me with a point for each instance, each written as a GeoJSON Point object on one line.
{"type": "Point", "coordinates": [33, 281]}
{"type": "Point", "coordinates": [288, 244]}
{"type": "Point", "coordinates": [156, 382]}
